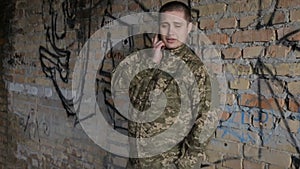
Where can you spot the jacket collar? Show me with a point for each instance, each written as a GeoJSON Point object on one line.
{"type": "Point", "coordinates": [178, 50]}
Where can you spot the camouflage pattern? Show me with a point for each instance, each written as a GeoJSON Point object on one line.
{"type": "Point", "coordinates": [190, 150]}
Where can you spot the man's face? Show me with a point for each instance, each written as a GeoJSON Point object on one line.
{"type": "Point", "coordinates": [174, 29]}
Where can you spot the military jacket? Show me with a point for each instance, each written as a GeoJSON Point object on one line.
{"type": "Point", "coordinates": [168, 81]}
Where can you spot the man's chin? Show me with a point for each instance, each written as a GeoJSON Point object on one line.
{"type": "Point", "coordinates": [172, 46]}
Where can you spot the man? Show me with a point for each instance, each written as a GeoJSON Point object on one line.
{"type": "Point", "coordinates": [174, 27]}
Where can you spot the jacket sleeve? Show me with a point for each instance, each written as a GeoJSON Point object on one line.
{"type": "Point", "coordinates": [194, 144]}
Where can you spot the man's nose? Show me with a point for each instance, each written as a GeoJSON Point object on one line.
{"type": "Point", "coordinates": [171, 30]}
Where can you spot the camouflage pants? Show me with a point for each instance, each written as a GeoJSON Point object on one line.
{"type": "Point", "coordinates": [130, 165]}
{"type": "Point", "coordinates": [166, 160]}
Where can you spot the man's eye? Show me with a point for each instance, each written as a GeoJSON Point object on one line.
{"type": "Point", "coordinates": [177, 26]}
{"type": "Point", "coordinates": [163, 25]}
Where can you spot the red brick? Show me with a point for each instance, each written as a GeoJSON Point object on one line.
{"type": "Point", "coordinates": [19, 79]}
{"type": "Point", "coordinates": [288, 3]}
{"type": "Point", "coordinates": [295, 68]}
{"type": "Point", "coordinates": [295, 15]}
{"type": "Point", "coordinates": [294, 105]}
{"type": "Point", "coordinates": [268, 88]}
{"type": "Point", "coordinates": [243, 6]}
{"type": "Point", "coordinates": [262, 120]}
{"type": "Point", "coordinates": [20, 71]}
{"type": "Point", "coordinates": [133, 6]}
{"type": "Point", "coordinates": [227, 23]}
{"type": "Point", "coordinates": [225, 116]}
{"type": "Point", "coordinates": [253, 36]}
{"type": "Point", "coordinates": [251, 100]}
{"type": "Point", "coordinates": [230, 98]}
{"type": "Point", "coordinates": [273, 104]}
{"type": "Point", "coordinates": [294, 88]}
{"type": "Point", "coordinates": [237, 69]}
{"type": "Point", "coordinates": [148, 4]}
{"type": "Point", "coordinates": [283, 69]}
{"type": "Point", "coordinates": [277, 18]}
{"type": "Point", "coordinates": [279, 69]}
{"type": "Point", "coordinates": [253, 52]}
{"type": "Point", "coordinates": [231, 53]}
{"type": "Point", "coordinates": [241, 118]}
{"type": "Point", "coordinates": [207, 23]}
{"type": "Point", "coordinates": [218, 38]}
{"type": "Point", "coordinates": [212, 9]}
{"type": "Point", "coordinates": [250, 5]}
{"type": "Point", "coordinates": [118, 8]}
{"type": "Point", "coordinates": [247, 21]}
{"type": "Point", "coordinates": [277, 51]}
{"type": "Point", "coordinates": [292, 125]}
{"type": "Point", "coordinates": [240, 84]}
{"type": "Point", "coordinates": [283, 32]}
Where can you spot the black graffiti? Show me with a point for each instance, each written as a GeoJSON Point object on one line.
{"type": "Point", "coordinates": [69, 11]}
{"type": "Point", "coordinates": [16, 59]}
{"type": "Point", "coordinates": [142, 6]}
{"type": "Point", "coordinates": [289, 43]}
{"type": "Point", "coordinates": [261, 69]}
{"type": "Point", "coordinates": [285, 39]}
{"type": "Point", "coordinates": [55, 60]}
{"type": "Point", "coordinates": [111, 56]}
{"type": "Point", "coordinates": [34, 127]}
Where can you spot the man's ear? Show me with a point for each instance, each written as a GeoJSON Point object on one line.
{"type": "Point", "coordinates": [190, 26]}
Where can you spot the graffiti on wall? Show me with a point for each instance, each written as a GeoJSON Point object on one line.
{"type": "Point", "coordinates": [53, 58]}
{"type": "Point", "coordinates": [276, 116]}
{"type": "Point", "coordinates": [71, 16]}
{"type": "Point", "coordinates": [34, 126]}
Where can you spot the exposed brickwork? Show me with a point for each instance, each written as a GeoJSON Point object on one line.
{"type": "Point", "coordinates": [7, 12]}
{"type": "Point", "coordinates": [212, 9]}
{"type": "Point", "coordinates": [253, 36]}
{"type": "Point", "coordinates": [253, 52]}
{"type": "Point", "coordinates": [231, 53]}
{"type": "Point", "coordinates": [254, 46]}
{"type": "Point", "coordinates": [207, 24]}
{"type": "Point", "coordinates": [295, 15]}
{"type": "Point", "coordinates": [3, 125]}
{"type": "Point", "coordinates": [227, 23]}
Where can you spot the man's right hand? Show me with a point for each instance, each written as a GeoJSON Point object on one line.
{"type": "Point", "coordinates": [158, 45]}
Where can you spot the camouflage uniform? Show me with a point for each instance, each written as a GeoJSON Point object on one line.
{"type": "Point", "coordinates": [191, 149]}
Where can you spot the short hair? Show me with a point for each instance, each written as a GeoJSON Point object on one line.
{"type": "Point", "coordinates": [177, 6]}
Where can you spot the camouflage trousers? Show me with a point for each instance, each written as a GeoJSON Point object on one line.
{"type": "Point", "coordinates": [166, 160]}
{"type": "Point", "coordinates": [155, 165]}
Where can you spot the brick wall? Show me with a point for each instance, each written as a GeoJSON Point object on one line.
{"type": "Point", "coordinates": [3, 123]}
{"type": "Point", "coordinates": [257, 41]}
{"type": "Point", "coordinates": [3, 118]}
{"type": "Point", "coordinates": [5, 48]}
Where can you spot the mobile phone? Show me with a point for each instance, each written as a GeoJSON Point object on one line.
{"type": "Point", "coordinates": [159, 37]}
